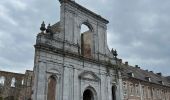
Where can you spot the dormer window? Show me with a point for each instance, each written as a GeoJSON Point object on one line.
{"type": "Point", "coordinates": [148, 79]}
{"type": "Point", "coordinates": [161, 82]}
{"type": "Point", "coordinates": [160, 74]}
{"type": "Point", "coordinates": [131, 74]}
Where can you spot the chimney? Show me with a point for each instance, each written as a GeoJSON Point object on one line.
{"type": "Point", "coordinates": [146, 70]}
{"type": "Point", "coordinates": [151, 71]}
{"type": "Point", "coordinates": [137, 66]}
{"type": "Point", "coordinates": [126, 63]}
{"type": "Point", "coordinates": [160, 74]}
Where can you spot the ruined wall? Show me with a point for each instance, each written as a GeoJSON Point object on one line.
{"type": "Point", "coordinates": [15, 86]}
{"type": "Point", "coordinates": [86, 44]}
{"type": "Point", "coordinates": [11, 85]}
{"type": "Point", "coordinates": [26, 92]}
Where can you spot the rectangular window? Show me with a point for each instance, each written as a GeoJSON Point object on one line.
{"type": "Point", "coordinates": [137, 91]}
{"type": "Point", "coordinates": [131, 89]}
{"type": "Point", "coordinates": [149, 92]}
{"type": "Point", "coordinates": [125, 88]}
{"type": "Point", "coordinates": [143, 91]}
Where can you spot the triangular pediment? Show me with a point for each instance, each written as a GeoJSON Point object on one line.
{"type": "Point", "coordinates": [88, 75]}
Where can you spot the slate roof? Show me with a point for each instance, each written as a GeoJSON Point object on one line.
{"type": "Point", "coordinates": [141, 74]}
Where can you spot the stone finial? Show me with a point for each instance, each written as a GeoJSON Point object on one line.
{"type": "Point", "coordinates": [42, 28]}
{"type": "Point", "coordinates": [114, 52]}
{"type": "Point", "coordinates": [48, 28]}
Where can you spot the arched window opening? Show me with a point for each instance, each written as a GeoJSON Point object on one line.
{"type": "Point", "coordinates": [84, 28]}
{"type": "Point", "coordinates": [2, 81]}
{"type": "Point", "coordinates": [13, 81]}
{"type": "Point", "coordinates": [22, 82]}
{"type": "Point", "coordinates": [51, 88]}
{"type": "Point", "coordinates": [113, 92]}
{"type": "Point", "coordinates": [86, 41]}
{"type": "Point", "coordinates": [88, 95]}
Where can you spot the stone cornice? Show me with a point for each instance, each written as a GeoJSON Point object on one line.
{"type": "Point", "coordinates": [85, 10]}
{"type": "Point", "coordinates": [146, 82]}
{"type": "Point", "coordinates": [12, 73]}
{"type": "Point", "coordinates": [45, 47]}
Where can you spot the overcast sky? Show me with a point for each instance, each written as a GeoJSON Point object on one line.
{"type": "Point", "coordinates": [138, 29]}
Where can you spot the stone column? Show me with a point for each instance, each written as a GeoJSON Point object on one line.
{"type": "Point", "coordinates": [40, 79]}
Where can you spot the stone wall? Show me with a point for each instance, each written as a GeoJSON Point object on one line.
{"type": "Point", "coordinates": [13, 85]}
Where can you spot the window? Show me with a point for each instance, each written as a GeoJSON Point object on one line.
{"type": "Point", "coordinates": [158, 94]}
{"type": "Point", "coordinates": [131, 74]}
{"type": "Point", "coordinates": [143, 91]}
{"type": "Point", "coordinates": [131, 89]}
{"type": "Point", "coordinates": [137, 92]}
{"type": "Point", "coordinates": [22, 82]}
{"type": "Point", "coordinates": [124, 88]}
{"type": "Point", "coordinates": [153, 93]}
{"type": "Point", "coordinates": [2, 80]}
{"type": "Point", "coordinates": [13, 81]}
{"type": "Point", "coordinates": [149, 92]}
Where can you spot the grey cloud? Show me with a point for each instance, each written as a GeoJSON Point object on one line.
{"type": "Point", "coordinates": [17, 40]}
{"type": "Point", "coordinates": [142, 32]}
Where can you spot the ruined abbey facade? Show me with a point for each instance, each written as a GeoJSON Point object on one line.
{"type": "Point", "coordinates": [73, 65]}
{"type": "Point", "coordinates": [70, 65]}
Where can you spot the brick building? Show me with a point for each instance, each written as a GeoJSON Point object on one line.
{"type": "Point", "coordinates": [139, 84]}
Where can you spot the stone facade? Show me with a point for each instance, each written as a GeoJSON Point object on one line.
{"type": "Point", "coordinates": [11, 85]}
{"type": "Point", "coordinates": [77, 66]}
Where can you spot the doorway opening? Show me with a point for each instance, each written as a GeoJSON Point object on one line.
{"type": "Point", "coordinates": [113, 92]}
{"type": "Point", "coordinates": [88, 95]}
